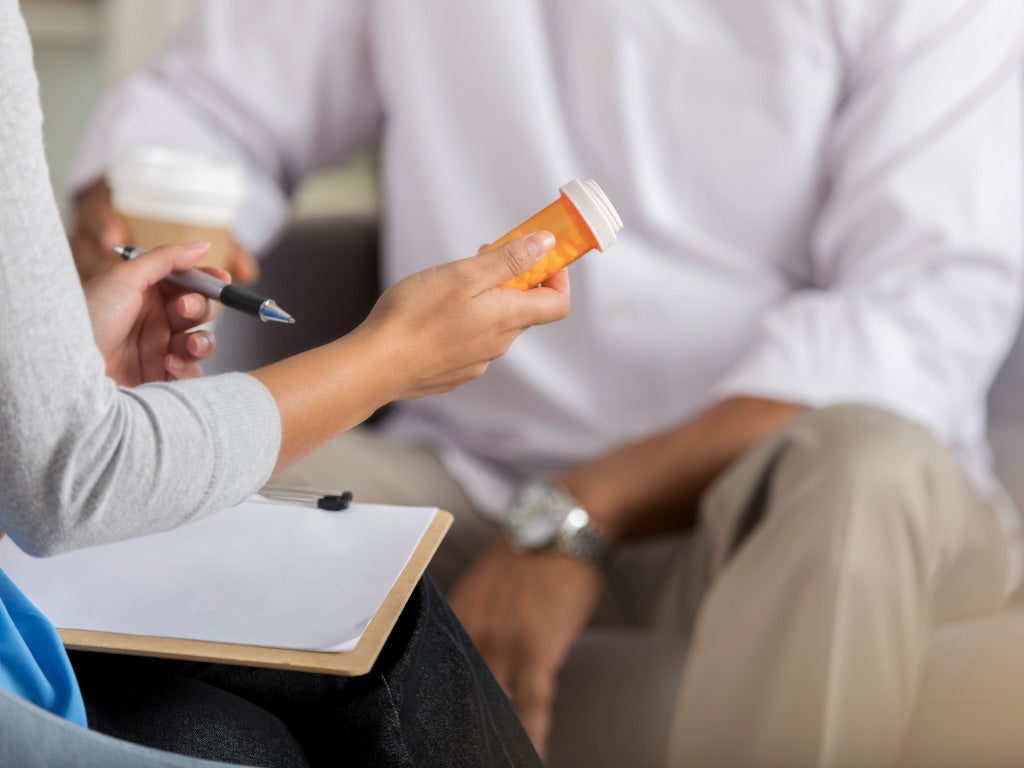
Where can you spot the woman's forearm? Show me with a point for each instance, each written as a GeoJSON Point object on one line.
{"type": "Point", "coordinates": [327, 390]}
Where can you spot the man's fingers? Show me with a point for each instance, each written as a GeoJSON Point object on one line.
{"type": "Point", "coordinates": [112, 232]}
{"type": "Point", "coordinates": [533, 696]}
{"type": "Point", "coordinates": [534, 689]}
{"type": "Point", "coordinates": [97, 217]}
{"type": "Point", "coordinates": [243, 265]}
{"type": "Point", "coordinates": [97, 229]}
{"type": "Point", "coordinates": [94, 209]}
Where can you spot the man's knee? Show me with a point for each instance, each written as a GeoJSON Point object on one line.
{"type": "Point", "coordinates": [878, 481]}
{"type": "Point", "coordinates": [865, 446]}
{"type": "Point", "coordinates": [850, 470]}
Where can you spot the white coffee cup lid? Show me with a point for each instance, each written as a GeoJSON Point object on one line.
{"type": "Point", "coordinates": [596, 209]}
{"type": "Point", "coordinates": [173, 185]}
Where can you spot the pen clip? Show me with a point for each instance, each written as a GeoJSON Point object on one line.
{"type": "Point", "coordinates": [328, 501]}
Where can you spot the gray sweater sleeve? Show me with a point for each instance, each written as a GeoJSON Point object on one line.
{"type": "Point", "coordinates": [83, 461]}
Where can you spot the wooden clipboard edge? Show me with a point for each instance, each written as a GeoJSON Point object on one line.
{"type": "Point", "coordinates": [358, 661]}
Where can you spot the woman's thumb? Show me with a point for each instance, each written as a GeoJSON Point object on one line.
{"type": "Point", "coordinates": [510, 260]}
{"type": "Point", "coordinates": [153, 266]}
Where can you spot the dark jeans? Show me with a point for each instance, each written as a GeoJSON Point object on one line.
{"type": "Point", "coordinates": [428, 701]}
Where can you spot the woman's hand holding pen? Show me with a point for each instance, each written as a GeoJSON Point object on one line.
{"type": "Point", "coordinates": [140, 323]}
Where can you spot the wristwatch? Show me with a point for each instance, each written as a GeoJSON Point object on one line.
{"type": "Point", "coordinates": [544, 515]}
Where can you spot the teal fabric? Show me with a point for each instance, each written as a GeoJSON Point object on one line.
{"type": "Point", "coordinates": [33, 663]}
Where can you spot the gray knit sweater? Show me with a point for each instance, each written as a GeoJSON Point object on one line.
{"type": "Point", "coordinates": [83, 461]}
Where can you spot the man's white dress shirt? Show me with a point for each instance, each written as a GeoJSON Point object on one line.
{"type": "Point", "coordinates": [821, 197]}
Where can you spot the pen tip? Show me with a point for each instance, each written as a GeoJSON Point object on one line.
{"type": "Point", "coordinates": [271, 313]}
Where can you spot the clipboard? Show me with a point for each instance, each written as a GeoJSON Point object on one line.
{"type": "Point", "coordinates": [356, 661]}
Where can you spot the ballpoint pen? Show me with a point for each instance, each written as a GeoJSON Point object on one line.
{"type": "Point", "coordinates": [229, 295]}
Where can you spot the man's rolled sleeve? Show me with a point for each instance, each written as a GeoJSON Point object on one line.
{"type": "Point", "coordinates": [916, 258]}
{"type": "Point", "coordinates": [282, 88]}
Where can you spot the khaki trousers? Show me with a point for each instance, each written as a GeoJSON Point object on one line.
{"type": "Point", "coordinates": [803, 606]}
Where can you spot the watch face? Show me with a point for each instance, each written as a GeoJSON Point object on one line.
{"type": "Point", "coordinates": [535, 517]}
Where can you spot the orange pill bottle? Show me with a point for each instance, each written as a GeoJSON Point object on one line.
{"type": "Point", "coordinates": [581, 219]}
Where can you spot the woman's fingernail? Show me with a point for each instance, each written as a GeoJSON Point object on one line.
{"type": "Point", "coordinates": [199, 344]}
{"type": "Point", "coordinates": [201, 247]}
{"type": "Point", "coordinates": [540, 243]}
{"type": "Point", "coordinates": [174, 363]}
{"type": "Point", "coordinates": [192, 306]}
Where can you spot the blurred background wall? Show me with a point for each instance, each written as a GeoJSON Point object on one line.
{"type": "Point", "coordinates": [83, 46]}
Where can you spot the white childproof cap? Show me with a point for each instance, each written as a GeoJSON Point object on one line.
{"type": "Point", "coordinates": [596, 209]}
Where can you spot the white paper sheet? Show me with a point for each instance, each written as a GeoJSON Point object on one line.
{"type": "Point", "coordinates": [262, 573]}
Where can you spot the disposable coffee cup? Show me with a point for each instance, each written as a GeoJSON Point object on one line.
{"type": "Point", "coordinates": [168, 196]}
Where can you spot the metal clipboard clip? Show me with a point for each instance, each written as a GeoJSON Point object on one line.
{"type": "Point", "coordinates": [329, 501]}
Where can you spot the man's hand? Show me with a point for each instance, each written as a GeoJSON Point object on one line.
{"type": "Point", "coordinates": [524, 611]}
{"type": "Point", "coordinates": [98, 228]}
{"type": "Point", "coordinates": [140, 324]}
